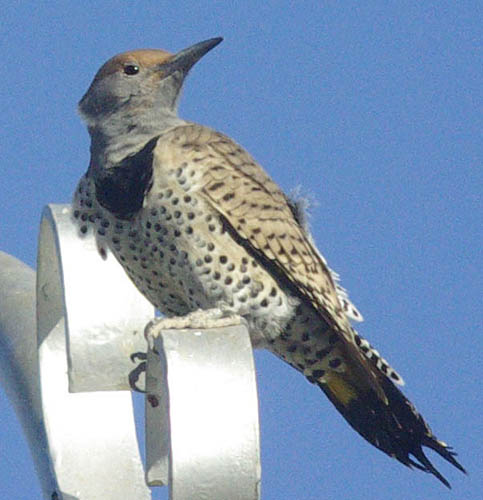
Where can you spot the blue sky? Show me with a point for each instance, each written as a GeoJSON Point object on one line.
{"type": "Point", "coordinates": [374, 109]}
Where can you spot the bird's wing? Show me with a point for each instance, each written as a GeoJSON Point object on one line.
{"type": "Point", "coordinates": [259, 216]}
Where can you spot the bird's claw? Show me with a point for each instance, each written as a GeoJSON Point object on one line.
{"type": "Point", "coordinates": [135, 374]}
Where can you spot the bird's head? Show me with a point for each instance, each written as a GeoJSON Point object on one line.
{"type": "Point", "coordinates": [138, 84]}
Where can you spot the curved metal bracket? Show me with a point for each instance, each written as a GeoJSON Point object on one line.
{"type": "Point", "coordinates": [202, 435]}
{"type": "Point", "coordinates": [89, 313]}
{"type": "Point", "coordinates": [202, 402]}
{"type": "Point", "coordinates": [105, 314]}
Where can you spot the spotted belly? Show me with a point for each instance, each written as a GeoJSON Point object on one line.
{"type": "Point", "coordinates": [181, 258]}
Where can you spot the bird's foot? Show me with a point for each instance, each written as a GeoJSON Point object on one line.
{"type": "Point", "coordinates": [201, 319]}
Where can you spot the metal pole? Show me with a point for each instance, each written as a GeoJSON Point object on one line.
{"type": "Point", "coordinates": [19, 370]}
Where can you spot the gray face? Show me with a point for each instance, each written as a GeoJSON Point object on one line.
{"type": "Point", "coordinates": [143, 81]}
{"type": "Point", "coordinates": [138, 86]}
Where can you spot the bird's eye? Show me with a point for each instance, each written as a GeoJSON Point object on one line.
{"type": "Point", "coordinates": [131, 69]}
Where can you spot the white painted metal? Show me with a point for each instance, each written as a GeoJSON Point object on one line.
{"type": "Point", "coordinates": [212, 413]}
{"type": "Point", "coordinates": [157, 422]}
{"type": "Point", "coordinates": [19, 369]}
{"type": "Point", "coordinates": [91, 435]}
{"type": "Point", "coordinates": [202, 435]}
{"type": "Point", "coordinates": [105, 314]}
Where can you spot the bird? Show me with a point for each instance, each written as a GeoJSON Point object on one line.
{"type": "Point", "coordinates": [208, 237]}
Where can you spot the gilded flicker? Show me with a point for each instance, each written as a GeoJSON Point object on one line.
{"type": "Point", "coordinates": [198, 225]}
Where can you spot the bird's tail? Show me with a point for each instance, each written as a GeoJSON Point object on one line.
{"type": "Point", "coordinates": [394, 425]}
{"type": "Point", "coordinates": [396, 428]}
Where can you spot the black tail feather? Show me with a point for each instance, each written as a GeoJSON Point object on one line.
{"type": "Point", "coordinates": [429, 467]}
{"type": "Point", "coordinates": [395, 428]}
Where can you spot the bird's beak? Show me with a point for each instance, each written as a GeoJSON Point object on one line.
{"type": "Point", "coordinates": [185, 59]}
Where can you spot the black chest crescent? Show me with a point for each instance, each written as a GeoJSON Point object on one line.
{"type": "Point", "coordinates": [121, 188]}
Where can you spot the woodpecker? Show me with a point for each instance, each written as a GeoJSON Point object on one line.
{"type": "Point", "coordinates": [204, 233]}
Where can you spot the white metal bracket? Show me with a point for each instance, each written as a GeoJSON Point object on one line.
{"type": "Point", "coordinates": [202, 413]}
{"type": "Point", "coordinates": [90, 318]}
{"type": "Point", "coordinates": [202, 436]}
